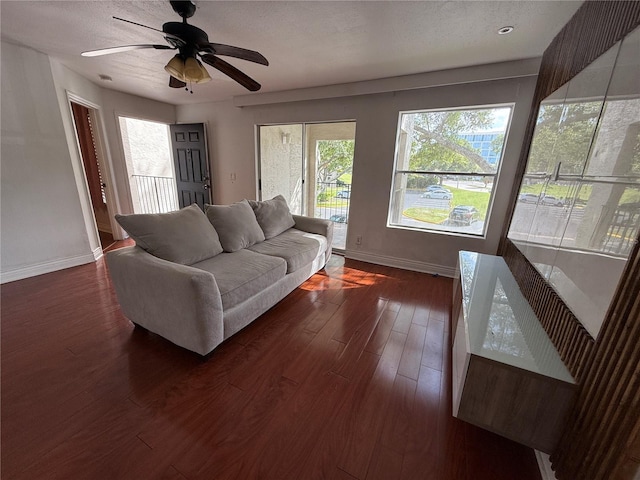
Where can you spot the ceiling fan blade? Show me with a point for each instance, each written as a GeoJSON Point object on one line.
{"type": "Point", "coordinates": [243, 53]}
{"type": "Point", "coordinates": [138, 24]}
{"type": "Point", "coordinates": [124, 48]}
{"type": "Point", "coordinates": [232, 72]}
{"type": "Point", "coordinates": [174, 37]}
{"type": "Point", "coordinates": [175, 83]}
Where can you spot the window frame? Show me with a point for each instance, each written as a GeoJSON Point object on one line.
{"type": "Point", "coordinates": [495, 175]}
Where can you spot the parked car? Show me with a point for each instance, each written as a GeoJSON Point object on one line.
{"type": "Point", "coordinates": [430, 188]}
{"type": "Point", "coordinates": [551, 200]}
{"type": "Point", "coordinates": [343, 194]}
{"type": "Point", "coordinates": [528, 198]}
{"type": "Point", "coordinates": [338, 218]}
{"type": "Point", "coordinates": [442, 194]}
{"type": "Point", "coordinates": [463, 214]}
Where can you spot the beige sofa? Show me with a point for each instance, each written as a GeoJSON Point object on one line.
{"type": "Point", "coordinates": [196, 279]}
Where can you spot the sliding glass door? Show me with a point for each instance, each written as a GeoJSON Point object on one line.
{"type": "Point", "coordinates": [310, 164]}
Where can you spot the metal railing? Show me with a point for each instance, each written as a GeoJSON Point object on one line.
{"type": "Point", "coordinates": [332, 201]}
{"type": "Point", "coordinates": [154, 194]}
{"type": "Point", "coordinates": [623, 230]}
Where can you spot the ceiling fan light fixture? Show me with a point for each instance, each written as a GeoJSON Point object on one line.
{"type": "Point", "coordinates": [194, 71]}
{"type": "Point", "coordinates": [205, 75]}
{"type": "Point", "coordinates": [176, 68]}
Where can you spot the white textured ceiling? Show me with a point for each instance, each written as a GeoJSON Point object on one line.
{"type": "Point", "coordinates": [307, 43]}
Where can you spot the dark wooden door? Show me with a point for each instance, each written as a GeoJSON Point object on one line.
{"type": "Point", "coordinates": [192, 167]}
{"type": "Point", "coordinates": [95, 179]}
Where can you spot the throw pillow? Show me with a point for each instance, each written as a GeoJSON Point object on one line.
{"type": "Point", "coordinates": [273, 216]}
{"type": "Point", "coordinates": [236, 225]}
{"type": "Point", "coordinates": [184, 236]}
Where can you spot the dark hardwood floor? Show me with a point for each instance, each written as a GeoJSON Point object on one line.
{"type": "Point", "coordinates": [347, 378]}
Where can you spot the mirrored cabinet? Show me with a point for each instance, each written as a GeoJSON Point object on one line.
{"type": "Point", "coordinates": [578, 210]}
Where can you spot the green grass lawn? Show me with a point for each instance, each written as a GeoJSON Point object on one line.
{"type": "Point", "coordinates": [480, 200]}
{"type": "Point", "coordinates": [328, 197]}
{"type": "Point", "coordinates": [333, 202]}
{"type": "Point", "coordinates": [429, 215]}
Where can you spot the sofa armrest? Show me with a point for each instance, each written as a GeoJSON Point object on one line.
{"type": "Point", "coordinates": [319, 226]}
{"type": "Point", "coordinates": [178, 302]}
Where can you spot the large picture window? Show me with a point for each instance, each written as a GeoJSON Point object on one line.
{"type": "Point", "coordinates": [446, 165]}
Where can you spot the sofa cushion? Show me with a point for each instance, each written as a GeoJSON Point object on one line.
{"type": "Point", "coordinates": [273, 216]}
{"type": "Point", "coordinates": [236, 225]}
{"type": "Point", "coordinates": [243, 274]}
{"type": "Point", "coordinates": [184, 236]}
{"type": "Point", "coordinates": [296, 247]}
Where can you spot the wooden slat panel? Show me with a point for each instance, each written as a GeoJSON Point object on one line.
{"type": "Point", "coordinates": [564, 329]}
{"type": "Point", "coordinates": [609, 407]}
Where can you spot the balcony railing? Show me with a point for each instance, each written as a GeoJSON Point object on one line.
{"type": "Point", "coordinates": [154, 194]}
{"type": "Point", "coordinates": [623, 230]}
{"type": "Point", "coordinates": [332, 201]}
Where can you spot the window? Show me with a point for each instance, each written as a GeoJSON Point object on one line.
{"type": "Point", "coordinates": [147, 153]}
{"type": "Point", "coordinates": [441, 182]}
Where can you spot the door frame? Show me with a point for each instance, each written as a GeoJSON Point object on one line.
{"type": "Point", "coordinates": [104, 163]}
{"type": "Point", "coordinates": [126, 184]}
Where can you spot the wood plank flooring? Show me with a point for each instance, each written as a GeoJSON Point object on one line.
{"type": "Point", "coordinates": [347, 378]}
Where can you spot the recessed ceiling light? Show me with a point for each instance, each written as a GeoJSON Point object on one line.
{"type": "Point", "coordinates": [105, 78]}
{"type": "Point", "coordinates": [505, 30]}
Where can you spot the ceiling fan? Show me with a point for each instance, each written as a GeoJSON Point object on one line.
{"type": "Point", "coordinates": [191, 43]}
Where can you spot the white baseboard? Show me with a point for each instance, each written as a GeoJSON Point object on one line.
{"type": "Point", "coordinates": [545, 466]}
{"type": "Point", "coordinates": [401, 263]}
{"type": "Point", "coordinates": [48, 267]}
{"type": "Point", "coordinates": [97, 254]}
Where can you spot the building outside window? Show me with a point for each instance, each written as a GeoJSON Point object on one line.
{"type": "Point", "coordinates": [446, 165]}
{"type": "Point", "coordinates": [484, 143]}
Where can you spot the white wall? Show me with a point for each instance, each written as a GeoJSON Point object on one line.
{"type": "Point", "coordinates": [42, 226]}
{"type": "Point", "coordinates": [232, 150]}
{"type": "Point", "coordinates": [68, 82]}
{"type": "Point", "coordinates": [109, 104]}
{"type": "Point", "coordinates": [46, 221]}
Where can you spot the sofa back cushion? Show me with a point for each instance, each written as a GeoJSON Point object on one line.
{"type": "Point", "coordinates": [236, 225]}
{"type": "Point", "coordinates": [184, 236]}
{"type": "Point", "coordinates": [273, 216]}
